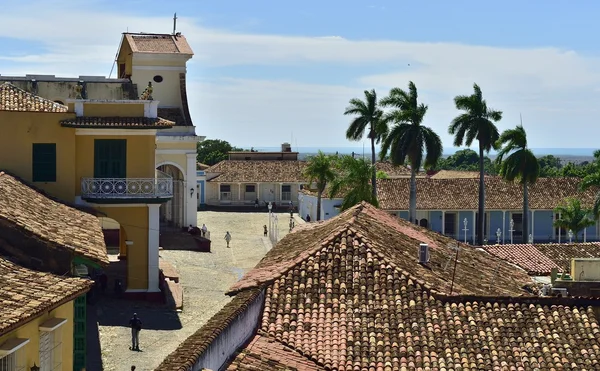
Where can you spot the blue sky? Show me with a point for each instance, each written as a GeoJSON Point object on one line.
{"type": "Point", "coordinates": [265, 71]}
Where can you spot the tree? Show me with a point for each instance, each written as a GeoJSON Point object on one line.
{"type": "Point", "coordinates": [382, 175]}
{"type": "Point", "coordinates": [476, 122]}
{"type": "Point", "coordinates": [213, 151]}
{"type": "Point", "coordinates": [573, 217]}
{"type": "Point", "coordinates": [354, 175]}
{"type": "Point", "coordinates": [593, 180]}
{"type": "Point", "coordinates": [466, 160]}
{"type": "Point", "coordinates": [367, 117]}
{"type": "Point", "coordinates": [320, 169]}
{"type": "Point", "coordinates": [408, 138]}
{"type": "Point", "coordinates": [516, 162]}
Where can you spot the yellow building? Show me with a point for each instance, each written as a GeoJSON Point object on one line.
{"type": "Point", "coordinates": [97, 153]}
{"type": "Point", "coordinates": [142, 58]}
{"type": "Point", "coordinates": [38, 316]}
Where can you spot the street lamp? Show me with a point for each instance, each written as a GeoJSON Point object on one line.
{"type": "Point", "coordinates": [465, 222]}
{"type": "Point", "coordinates": [511, 230]}
{"type": "Point", "coordinates": [530, 238]}
{"type": "Point", "coordinates": [570, 235]}
{"type": "Point", "coordinates": [498, 234]}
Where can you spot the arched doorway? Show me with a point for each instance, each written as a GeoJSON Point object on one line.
{"type": "Point", "coordinates": [113, 236]}
{"type": "Point", "coordinates": [172, 213]}
{"type": "Point", "coordinates": [424, 223]}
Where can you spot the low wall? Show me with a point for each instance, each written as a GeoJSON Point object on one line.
{"type": "Point", "coordinates": [238, 333]}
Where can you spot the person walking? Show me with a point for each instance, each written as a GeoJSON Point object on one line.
{"type": "Point", "coordinates": [266, 231]}
{"type": "Point", "coordinates": [227, 238]}
{"type": "Point", "coordinates": [136, 325]}
{"type": "Point", "coordinates": [204, 230]}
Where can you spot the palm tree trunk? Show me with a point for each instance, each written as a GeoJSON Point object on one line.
{"type": "Point", "coordinates": [481, 216]}
{"type": "Point", "coordinates": [319, 195]}
{"type": "Point", "coordinates": [374, 175]}
{"type": "Point", "coordinates": [412, 207]}
{"type": "Point", "coordinates": [525, 214]}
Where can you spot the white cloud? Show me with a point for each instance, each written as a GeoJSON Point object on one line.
{"type": "Point", "coordinates": [556, 90]}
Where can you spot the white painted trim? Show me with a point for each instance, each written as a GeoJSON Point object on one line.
{"type": "Point", "coordinates": [192, 138]}
{"type": "Point", "coordinates": [52, 324]}
{"type": "Point", "coordinates": [153, 247]}
{"type": "Point", "coordinates": [110, 101]}
{"type": "Point", "coordinates": [175, 152]}
{"type": "Point", "coordinates": [191, 204]}
{"type": "Point", "coordinates": [116, 132]}
{"type": "Point", "coordinates": [12, 345]}
{"type": "Point", "coordinates": [174, 164]}
{"type": "Point", "coordinates": [80, 201]}
{"type": "Point", "coordinates": [79, 108]}
{"type": "Point", "coordinates": [160, 68]}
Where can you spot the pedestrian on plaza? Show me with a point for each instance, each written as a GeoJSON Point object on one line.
{"type": "Point", "coordinates": [132, 368]}
{"type": "Point", "coordinates": [136, 325]}
{"type": "Point", "coordinates": [227, 238]}
{"type": "Point", "coordinates": [265, 230]}
{"type": "Point", "coordinates": [256, 202]}
{"type": "Point", "coordinates": [204, 230]}
{"type": "Point", "coordinates": [308, 218]}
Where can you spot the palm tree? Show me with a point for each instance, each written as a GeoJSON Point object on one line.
{"type": "Point", "coordinates": [320, 169]}
{"type": "Point", "coordinates": [573, 217]}
{"type": "Point", "coordinates": [593, 180]}
{"type": "Point", "coordinates": [354, 176]}
{"type": "Point", "coordinates": [408, 138]}
{"type": "Point", "coordinates": [517, 162]}
{"type": "Point", "coordinates": [367, 117]}
{"type": "Point", "coordinates": [476, 122]}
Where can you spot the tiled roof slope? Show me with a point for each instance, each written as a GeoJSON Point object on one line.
{"type": "Point", "coordinates": [239, 171]}
{"type": "Point", "coordinates": [526, 256]}
{"type": "Point", "coordinates": [365, 231]}
{"type": "Point", "coordinates": [25, 293]}
{"type": "Point", "coordinates": [562, 253]}
{"type": "Point", "coordinates": [118, 122]}
{"type": "Point", "coordinates": [393, 170]}
{"type": "Point", "coordinates": [15, 99]}
{"type": "Point", "coordinates": [462, 194]}
{"type": "Point", "coordinates": [158, 43]}
{"type": "Point", "coordinates": [187, 353]}
{"type": "Point", "coordinates": [264, 353]}
{"type": "Point", "coordinates": [69, 228]}
{"type": "Point", "coordinates": [455, 174]}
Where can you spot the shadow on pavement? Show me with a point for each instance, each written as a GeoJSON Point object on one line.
{"type": "Point", "coordinates": [117, 312]}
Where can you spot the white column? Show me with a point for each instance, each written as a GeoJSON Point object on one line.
{"type": "Point", "coordinates": [474, 226]}
{"type": "Point", "coordinates": [443, 222]}
{"type": "Point", "coordinates": [239, 191]}
{"type": "Point", "coordinates": [503, 225]}
{"type": "Point", "coordinates": [559, 229]}
{"type": "Point", "coordinates": [153, 238]}
{"type": "Point", "coordinates": [532, 224]}
{"type": "Point", "coordinates": [190, 204]}
{"type": "Point", "coordinates": [258, 191]}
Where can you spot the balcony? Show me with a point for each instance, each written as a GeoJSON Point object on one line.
{"type": "Point", "coordinates": [127, 190]}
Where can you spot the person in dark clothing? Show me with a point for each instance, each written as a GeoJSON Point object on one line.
{"type": "Point", "coordinates": [132, 368]}
{"type": "Point", "coordinates": [265, 230]}
{"type": "Point", "coordinates": [307, 218]}
{"type": "Point", "coordinates": [136, 325]}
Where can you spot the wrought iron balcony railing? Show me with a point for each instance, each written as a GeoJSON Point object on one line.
{"type": "Point", "coordinates": [160, 187]}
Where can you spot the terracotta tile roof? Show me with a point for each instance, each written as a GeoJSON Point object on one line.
{"type": "Point", "coordinates": [462, 194]}
{"type": "Point", "coordinates": [158, 43]}
{"type": "Point", "coordinates": [201, 166]}
{"type": "Point", "coordinates": [26, 294]}
{"type": "Point", "coordinates": [62, 226]}
{"type": "Point", "coordinates": [365, 229]}
{"type": "Point", "coordinates": [15, 99]}
{"type": "Point", "coordinates": [454, 174]}
{"type": "Point", "coordinates": [392, 170]}
{"type": "Point", "coordinates": [526, 256]}
{"type": "Point", "coordinates": [561, 254]}
{"type": "Point", "coordinates": [118, 122]}
{"type": "Point", "coordinates": [172, 114]}
{"type": "Point", "coordinates": [237, 171]}
{"type": "Point", "coordinates": [359, 301]}
{"type": "Point", "coordinates": [188, 352]}
{"type": "Point", "coordinates": [264, 353]}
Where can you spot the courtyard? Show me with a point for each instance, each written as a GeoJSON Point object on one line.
{"type": "Point", "coordinates": [205, 277]}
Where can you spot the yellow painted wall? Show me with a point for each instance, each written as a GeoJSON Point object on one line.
{"type": "Point", "coordinates": [140, 156]}
{"type": "Point", "coordinates": [173, 61]}
{"type": "Point", "coordinates": [167, 92]}
{"type": "Point", "coordinates": [31, 331]}
{"type": "Point", "coordinates": [113, 110]}
{"type": "Point", "coordinates": [125, 56]}
{"type": "Point", "coordinates": [180, 160]}
{"type": "Point", "coordinates": [191, 146]}
{"type": "Point", "coordinates": [135, 222]}
{"type": "Point", "coordinates": [26, 128]}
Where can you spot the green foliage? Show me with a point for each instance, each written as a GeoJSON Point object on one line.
{"type": "Point", "coordinates": [213, 151]}
{"type": "Point", "coordinates": [573, 217]}
{"type": "Point", "coordinates": [382, 175]}
{"type": "Point", "coordinates": [466, 160]}
{"type": "Point", "coordinates": [354, 175]}
{"type": "Point", "coordinates": [515, 160]}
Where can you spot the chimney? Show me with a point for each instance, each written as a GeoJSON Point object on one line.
{"type": "Point", "coordinates": [423, 253]}
{"type": "Point", "coordinates": [286, 147]}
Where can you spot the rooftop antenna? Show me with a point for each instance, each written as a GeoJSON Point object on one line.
{"type": "Point", "coordinates": [521, 117]}
{"type": "Point", "coordinates": [174, 23]}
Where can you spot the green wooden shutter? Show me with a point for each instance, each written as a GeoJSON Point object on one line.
{"type": "Point", "coordinates": [110, 158]}
{"type": "Point", "coordinates": [43, 162]}
{"type": "Point", "coordinates": [79, 333]}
